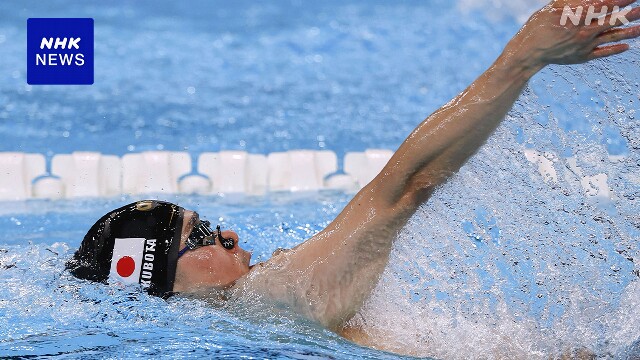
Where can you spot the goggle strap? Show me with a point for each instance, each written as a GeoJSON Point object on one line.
{"type": "Point", "coordinates": [184, 250]}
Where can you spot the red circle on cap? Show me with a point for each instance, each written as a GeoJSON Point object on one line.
{"type": "Point", "coordinates": [125, 267]}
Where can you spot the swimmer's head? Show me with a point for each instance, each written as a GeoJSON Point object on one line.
{"type": "Point", "coordinates": [139, 244]}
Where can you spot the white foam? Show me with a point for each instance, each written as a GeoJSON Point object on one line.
{"type": "Point", "coordinates": [500, 264]}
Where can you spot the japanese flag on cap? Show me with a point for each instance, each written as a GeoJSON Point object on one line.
{"type": "Point", "coordinates": [126, 261]}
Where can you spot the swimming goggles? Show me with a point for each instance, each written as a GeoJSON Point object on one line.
{"type": "Point", "coordinates": [202, 235]}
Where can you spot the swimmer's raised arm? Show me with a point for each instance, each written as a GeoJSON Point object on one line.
{"type": "Point", "coordinates": [332, 274]}
{"type": "Point", "coordinates": [443, 142]}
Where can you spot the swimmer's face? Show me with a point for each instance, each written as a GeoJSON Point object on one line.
{"type": "Point", "coordinates": [210, 266]}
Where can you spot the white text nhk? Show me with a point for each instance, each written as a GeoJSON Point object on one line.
{"type": "Point", "coordinates": [575, 16]}
{"type": "Point", "coordinates": [60, 59]}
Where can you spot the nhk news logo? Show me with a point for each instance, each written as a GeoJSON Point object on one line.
{"type": "Point", "coordinates": [60, 51]}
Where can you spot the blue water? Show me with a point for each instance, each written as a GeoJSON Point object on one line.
{"type": "Point", "coordinates": [264, 77]}
{"type": "Point", "coordinates": [497, 264]}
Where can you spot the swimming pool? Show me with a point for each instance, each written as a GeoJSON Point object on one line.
{"type": "Point", "coordinates": [472, 275]}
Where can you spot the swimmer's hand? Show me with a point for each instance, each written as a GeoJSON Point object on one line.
{"type": "Point", "coordinates": [550, 42]}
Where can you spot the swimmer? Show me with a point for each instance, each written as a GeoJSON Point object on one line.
{"type": "Point", "coordinates": [328, 277]}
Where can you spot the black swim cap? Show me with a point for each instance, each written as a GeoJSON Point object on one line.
{"type": "Point", "coordinates": [137, 243]}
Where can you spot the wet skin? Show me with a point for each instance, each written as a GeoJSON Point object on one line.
{"type": "Point", "coordinates": [328, 277]}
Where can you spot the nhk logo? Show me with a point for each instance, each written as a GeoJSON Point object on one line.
{"type": "Point", "coordinates": [60, 51]}
{"type": "Point", "coordinates": [61, 59]}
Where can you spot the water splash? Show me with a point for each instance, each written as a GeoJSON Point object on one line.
{"type": "Point", "coordinates": [500, 263]}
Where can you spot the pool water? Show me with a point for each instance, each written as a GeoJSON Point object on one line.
{"type": "Point", "coordinates": [499, 263]}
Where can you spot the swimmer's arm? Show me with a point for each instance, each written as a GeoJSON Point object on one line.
{"type": "Point", "coordinates": [329, 277]}
{"type": "Point", "coordinates": [443, 142]}
{"type": "Point", "coordinates": [335, 271]}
